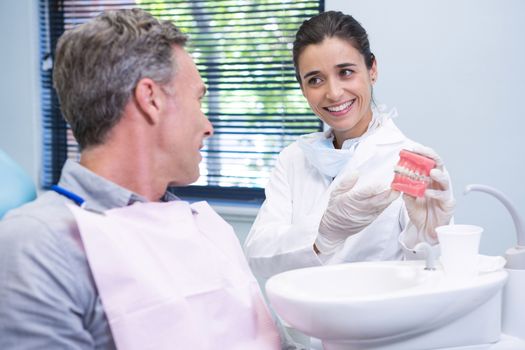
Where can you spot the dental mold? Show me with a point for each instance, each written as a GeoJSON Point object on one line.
{"type": "Point", "coordinates": [412, 173]}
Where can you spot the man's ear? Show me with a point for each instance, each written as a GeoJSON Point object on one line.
{"type": "Point", "coordinates": [148, 96]}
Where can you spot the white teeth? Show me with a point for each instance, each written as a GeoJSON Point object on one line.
{"type": "Point", "coordinates": [412, 174]}
{"type": "Point", "coordinates": [340, 107]}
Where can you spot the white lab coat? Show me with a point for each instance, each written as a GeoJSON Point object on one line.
{"type": "Point", "coordinates": [297, 194]}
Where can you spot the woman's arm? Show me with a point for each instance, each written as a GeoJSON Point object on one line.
{"type": "Point", "coordinates": [278, 241]}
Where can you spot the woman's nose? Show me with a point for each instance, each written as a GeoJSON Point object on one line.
{"type": "Point", "coordinates": [334, 90]}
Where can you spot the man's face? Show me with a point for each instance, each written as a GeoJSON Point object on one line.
{"type": "Point", "coordinates": [183, 125]}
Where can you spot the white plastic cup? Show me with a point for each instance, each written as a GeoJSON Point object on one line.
{"type": "Point", "coordinates": [459, 251]}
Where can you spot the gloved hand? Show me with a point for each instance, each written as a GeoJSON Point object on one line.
{"type": "Point", "coordinates": [349, 211]}
{"type": "Point", "coordinates": [436, 208]}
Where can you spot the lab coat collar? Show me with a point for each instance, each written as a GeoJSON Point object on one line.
{"type": "Point", "coordinates": [381, 130]}
{"type": "Point", "coordinates": [386, 134]}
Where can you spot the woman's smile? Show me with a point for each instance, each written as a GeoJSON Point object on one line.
{"type": "Point", "coordinates": [340, 109]}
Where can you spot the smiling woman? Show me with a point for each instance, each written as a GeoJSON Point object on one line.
{"type": "Point", "coordinates": [337, 84]}
{"type": "Point", "coordinates": [329, 198]}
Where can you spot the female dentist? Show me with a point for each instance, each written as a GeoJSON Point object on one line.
{"type": "Point", "coordinates": [328, 199]}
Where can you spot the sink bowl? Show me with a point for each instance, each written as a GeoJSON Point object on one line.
{"type": "Point", "coordinates": [388, 305]}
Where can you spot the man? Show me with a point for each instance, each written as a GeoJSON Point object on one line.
{"type": "Point", "coordinates": [131, 95]}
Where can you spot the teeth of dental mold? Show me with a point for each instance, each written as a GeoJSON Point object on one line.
{"type": "Point", "coordinates": [412, 173]}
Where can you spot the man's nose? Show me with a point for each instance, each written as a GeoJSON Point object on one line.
{"type": "Point", "coordinates": [208, 128]}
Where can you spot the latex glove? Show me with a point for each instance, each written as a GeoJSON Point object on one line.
{"type": "Point", "coordinates": [436, 208]}
{"type": "Point", "coordinates": [350, 210]}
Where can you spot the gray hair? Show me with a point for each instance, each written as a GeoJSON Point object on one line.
{"type": "Point", "coordinates": [99, 63]}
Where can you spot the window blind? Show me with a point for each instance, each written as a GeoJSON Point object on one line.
{"type": "Point", "coordinates": [243, 51]}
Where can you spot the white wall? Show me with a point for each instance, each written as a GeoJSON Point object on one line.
{"type": "Point", "coordinates": [455, 70]}
{"type": "Point", "coordinates": [19, 91]}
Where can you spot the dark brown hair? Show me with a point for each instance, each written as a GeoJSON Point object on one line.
{"type": "Point", "coordinates": [328, 25]}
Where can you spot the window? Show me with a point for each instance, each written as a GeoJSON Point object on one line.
{"type": "Point", "coordinates": [243, 51]}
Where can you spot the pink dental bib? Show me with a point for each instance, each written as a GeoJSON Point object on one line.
{"type": "Point", "coordinates": [173, 276]}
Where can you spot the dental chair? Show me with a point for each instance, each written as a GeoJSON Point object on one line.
{"type": "Point", "coordinates": [16, 187]}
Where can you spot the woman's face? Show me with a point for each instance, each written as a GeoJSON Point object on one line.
{"type": "Point", "coordinates": [338, 86]}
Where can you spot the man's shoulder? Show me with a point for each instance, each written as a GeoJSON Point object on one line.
{"type": "Point", "coordinates": [44, 219]}
{"type": "Point", "coordinates": [45, 277]}
{"type": "Point", "coordinates": [42, 237]}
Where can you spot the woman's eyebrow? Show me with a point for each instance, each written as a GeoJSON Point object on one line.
{"type": "Point", "coordinates": [344, 65]}
{"type": "Point", "coordinates": [314, 72]}
{"type": "Point", "coordinates": [340, 65]}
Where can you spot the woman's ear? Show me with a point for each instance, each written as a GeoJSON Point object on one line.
{"type": "Point", "coordinates": [148, 97]}
{"type": "Point", "coordinates": [373, 71]}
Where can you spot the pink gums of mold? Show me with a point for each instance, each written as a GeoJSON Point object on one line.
{"type": "Point", "coordinates": [416, 163]}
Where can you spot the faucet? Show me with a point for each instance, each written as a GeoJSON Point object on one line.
{"type": "Point", "coordinates": [513, 306]}
{"type": "Point", "coordinates": [515, 256]}
{"type": "Point", "coordinates": [427, 250]}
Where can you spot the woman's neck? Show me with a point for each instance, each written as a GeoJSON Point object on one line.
{"type": "Point", "coordinates": [340, 136]}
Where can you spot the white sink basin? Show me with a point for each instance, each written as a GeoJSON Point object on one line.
{"type": "Point", "coordinates": [388, 305]}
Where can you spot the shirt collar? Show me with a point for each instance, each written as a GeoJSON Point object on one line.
{"type": "Point", "coordinates": [99, 193]}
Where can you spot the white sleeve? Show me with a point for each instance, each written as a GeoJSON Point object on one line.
{"type": "Point", "coordinates": [276, 243]}
{"type": "Point", "coordinates": [409, 238]}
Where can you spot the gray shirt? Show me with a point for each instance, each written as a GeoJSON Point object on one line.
{"type": "Point", "coordinates": [48, 298]}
